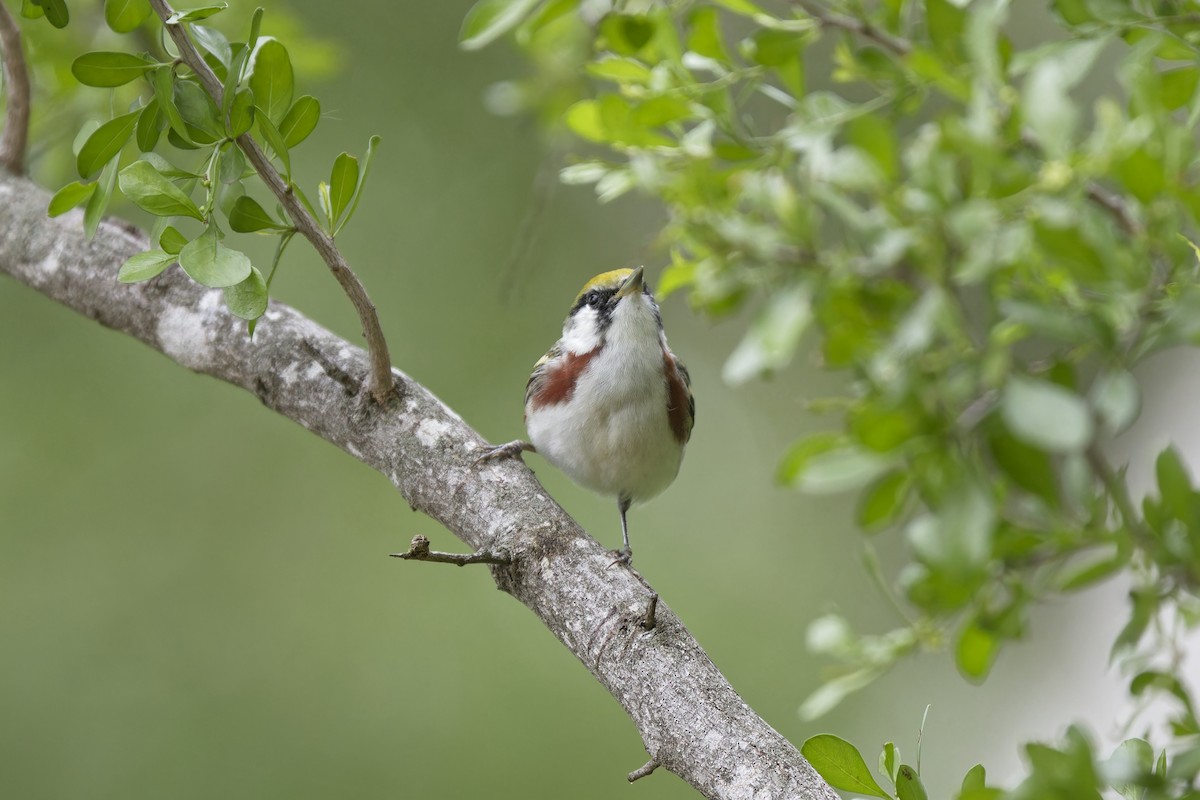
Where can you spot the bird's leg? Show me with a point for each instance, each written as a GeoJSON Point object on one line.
{"type": "Point", "coordinates": [625, 554]}
{"type": "Point", "coordinates": [509, 450]}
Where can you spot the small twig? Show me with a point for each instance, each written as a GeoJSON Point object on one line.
{"type": "Point", "coordinates": [16, 87]}
{"type": "Point", "coordinates": [382, 384]}
{"type": "Point", "coordinates": [1114, 206]}
{"type": "Point", "coordinates": [649, 621]}
{"type": "Point", "coordinates": [419, 550]}
{"type": "Point", "coordinates": [832, 19]}
{"type": "Point", "coordinates": [644, 770]}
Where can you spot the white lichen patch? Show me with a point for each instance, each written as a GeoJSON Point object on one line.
{"type": "Point", "coordinates": [211, 301]}
{"type": "Point", "coordinates": [51, 263]}
{"type": "Point", "coordinates": [314, 371]}
{"type": "Point", "coordinates": [183, 336]}
{"type": "Point", "coordinates": [431, 431]}
{"type": "Point", "coordinates": [289, 374]}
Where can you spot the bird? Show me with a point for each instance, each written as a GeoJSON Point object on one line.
{"type": "Point", "coordinates": [609, 404]}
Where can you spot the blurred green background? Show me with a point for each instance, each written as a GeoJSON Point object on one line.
{"type": "Point", "coordinates": [195, 594]}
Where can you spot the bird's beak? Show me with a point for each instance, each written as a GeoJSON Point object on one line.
{"type": "Point", "coordinates": [632, 285]}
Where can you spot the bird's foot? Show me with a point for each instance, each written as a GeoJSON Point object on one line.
{"type": "Point", "coordinates": [624, 557]}
{"type": "Point", "coordinates": [508, 450]}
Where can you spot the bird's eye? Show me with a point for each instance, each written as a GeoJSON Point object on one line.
{"type": "Point", "coordinates": [593, 299]}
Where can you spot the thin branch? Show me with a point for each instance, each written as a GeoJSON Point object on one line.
{"type": "Point", "coordinates": [1115, 206]}
{"type": "Point", "coordinates": [643, 770]}
{"type": "Point", "coordinates": [16, 103]}
{"type": "Point", "coordinates": [858, 27]}
{"type": "Point", "coordinates": [382, 383]}
{"type": "Point", "coordinates": [686, 712]}
{"type": "Point", "coordinates": [1119, 492]}
{"type": "Point", "coordinates": [649, 621]}
{"type": "Point", "coordinates": [419, 550]}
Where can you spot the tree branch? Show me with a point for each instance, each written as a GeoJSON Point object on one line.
{"type": "Point", "coordinates": [688, 715]}
{"type": "Point", "coordinates": [381, 384]}
{"type": "Point", "coordinates": [419, 550]}
{"type": "Point", "coordinates": [16, 101]}
{"type": "Point", "coordinates": [858, 27]}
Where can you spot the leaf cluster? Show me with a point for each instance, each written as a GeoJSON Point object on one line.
{"type": "Point", "coordinates": [197, 185]}
{"type": "Point", "coordinates": [983, 237]}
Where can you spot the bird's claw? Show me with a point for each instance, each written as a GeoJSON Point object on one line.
{"type": "Point", "coordinates": [624, 556]}
{"type": "Point", "coordinates": [494, 452]}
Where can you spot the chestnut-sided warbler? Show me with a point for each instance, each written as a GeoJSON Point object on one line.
{"type": "Point", "coordinates": [610, 404]}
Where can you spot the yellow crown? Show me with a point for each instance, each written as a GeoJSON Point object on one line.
{"type": "Point", "coordinates": [605, 280]}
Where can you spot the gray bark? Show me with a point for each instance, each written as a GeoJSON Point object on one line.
{"type": "Point", "coordinates": [691, 720]}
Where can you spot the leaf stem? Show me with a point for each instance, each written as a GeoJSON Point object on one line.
{"type": "Point", "coordinates": [382, 383]}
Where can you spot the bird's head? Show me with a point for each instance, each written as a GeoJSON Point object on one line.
{"type": "Point", "coordinates": [613, 306]}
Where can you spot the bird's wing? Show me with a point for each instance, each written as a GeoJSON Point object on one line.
{"type": "Point", "coordinates": [541, 371]}
{"type": "Point", "coordinates": [681, 403]}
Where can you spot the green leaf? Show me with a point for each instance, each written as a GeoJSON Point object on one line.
{"type": "Point", "coordinates": [274, 140]}
{"type": "Point", "coordinates": [164, 93]}
{"type": "Point", "coordinates": [255, 27]}
{"type": "Point", "coordinates": [832, 692]}
{"type": "Point", "coordinates": [105, 143]}
{"type": "Point", "coordinates": [105, 69]}
{"type": "Point", "coordinates": [210, 263]}
{"type": "Point", "coordinates": [816, 470]}
{"type": "Point", "coordinates": [248, 299]}
{"type": "Point", "coordinates": [743, 7]}
{"type": "Point", "coordinates": [908, 784]}
{"type": "Point", "coordinates": [1117, 399]}
{"type": "Point", "coordinates": [196, 14]}
{"type": "Point", "coordinates": [488, 20]}
{"type": "Point", "coordinates": [889, 761]}
{"type": "Point", "coordinates": [198, 111]}
{"type": "Point", "coordinates": [149, 126]}
{"type": "Point", "coordinates": [1045, 102]}
{"type": "Point", "coordinates": [142, 183]}
{"type": "Point", "coordinates": [1175, 486]}
{"type": "Point", "coordinates": [1129, 767]}
{"type": "Point", "coordinates": [945, 22]}
{"type": "Point", "coordinates": [841, 765]}
{"type": "Point", "coordinates": [70, 196]}
{"type": "Point", "coordinates": [1179, 86]}
{"type": "Point", "coordinates": [881, 504]}
{"type": "Point", "coordinates": [619, 70]}
{"type": "Point", "coordinates": [343, 181]}
{"type": "Point", "coordinates": [124, 16]}
{"type": "Point", "coordinates": [145, 266]}
{"type": "Point", "coordinates": [241, 113]}
{"type": "Point", "coordinates": [31, 9]}
{"type": "Point", "coordinates": [957, 537]}
{"type": "Point", "coordinates": [56, 12]}
{"type": "Point", "coordinates": [1090, 572]}
{"type": "Point", "coordinates": [772, 338]}
{"type": "Point", "coordinates": [247, 216]}
{"type": "Point", "coordinates": [171, 240]}
{"type": "Point", "coordinates": [976, 652]}
{"type": "Point", "coordinates": [233, 164]}
{"type": "Point", "coordinates": [271, 79]}
{"type": "Point", "coordinates": [705, 35]}
{"type": "Point", "coordinates": [214, 42]}
{"type": "Point", "coordinates": [1046, 415]}
{"type": "Point", "coordinates": [372, 144]}
{"type": "Point", "coordinates": [1026, 466]}
{"type": "Point", "coordinates": [100, 198]}
{"type": "Point", "coordinates": [300, 120]}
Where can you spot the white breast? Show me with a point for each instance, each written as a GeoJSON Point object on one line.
{"type": "Point", "coordinates": [613, 435]}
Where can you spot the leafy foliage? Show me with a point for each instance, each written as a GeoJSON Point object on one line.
{"type": "Point", "coordinates": [985, 256]}
{"type": "Point", "coordinates": [206, 132]}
